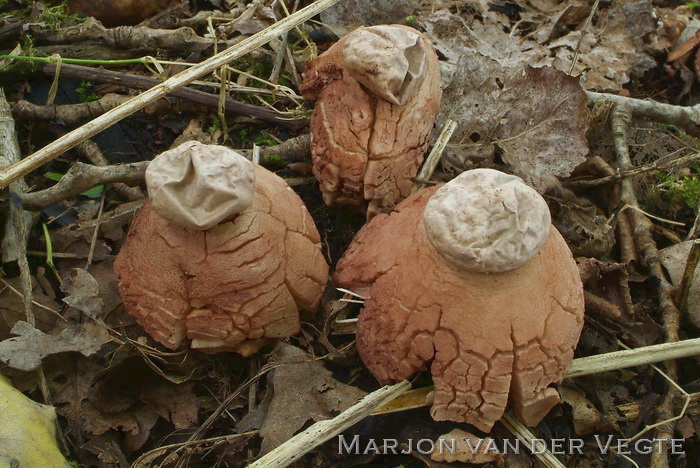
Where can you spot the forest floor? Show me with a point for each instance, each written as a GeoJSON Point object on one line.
{"type": "Point", "coordinates": [592, 103]}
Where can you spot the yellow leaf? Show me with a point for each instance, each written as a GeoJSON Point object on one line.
{"type": "Point", "coordinates": [27, 431]}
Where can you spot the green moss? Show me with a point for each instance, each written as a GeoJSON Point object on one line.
{"type": "Point", "coordinates": [264, 140]}
{"type": "Point", "coordinates": [25, 66]}
{"type": "Point", "coordinates": [681, 189]}
{"type": "Point", "coordinates": [215, 125]}
{"type": "Point", "coordinates": [53, 17]}
{"type": "Point", "coordinates": [86, 92]}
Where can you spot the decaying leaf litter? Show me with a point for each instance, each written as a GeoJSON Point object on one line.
{"type": "Point", "coordinates": [619, 175]}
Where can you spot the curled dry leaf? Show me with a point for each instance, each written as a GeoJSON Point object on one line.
{"type": "Point", "coordinates": [468, 448]}
{"type": "Point", "coordinates": [303, 390]}
{"type": "Point", "coordinates": [135, 423]}
{"type": "Point", "coordinates": [175, 403]}
{"type": "Point", "coordinates": [25, 351]}
{"type": "Point", "coordinates": [535, 119]}
{"type": "Point", "coordinates": [82, 292]}
{"type": "Point", "coordinates": [586, 415]}
{"type": "Point", "coordinates": [69, 382]}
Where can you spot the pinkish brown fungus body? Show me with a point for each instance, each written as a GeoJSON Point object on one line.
{"type": "Point", "coordinates": [246, 261]}
{"type": "Point", "coordinates": [472, 278]}
{"type": "Point", "coordinates": [377, 93]}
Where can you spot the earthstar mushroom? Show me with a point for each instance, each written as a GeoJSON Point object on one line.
{"type": "Point", "coordinates": [471, 278]}
{"type": "Point", "coordinates": [377, 93]}
{"type": "Point", "coordinates": [224, 253]}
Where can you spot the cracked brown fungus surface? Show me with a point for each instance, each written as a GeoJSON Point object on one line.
{"type": "Point", "coordinates": [377, 93]}
{"type": "Point", "coordinates": [230, 286]}
{"type": "Point", "coordinates": [471, 278]}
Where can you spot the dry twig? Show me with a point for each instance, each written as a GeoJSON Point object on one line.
{"type": "Point", "coordinates": [125, 37]}
{"type": "Point", "coordinates": [91, 151]}
{"type": "Point", "coordinates": [684, 117]}
{"type": "Point", "coordinates": [645, 245]}
{"type": "Point", "coordinates": [81, 177]}
{"type": "Point", "coordinates": [130, 80]}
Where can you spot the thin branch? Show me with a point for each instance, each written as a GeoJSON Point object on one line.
{"type": "Point", "coordinates": [584, 31]}
{"type": "Point", "coordinates": [130, 80]}
{"type": "Point", "coordinates": [91, 151]}
{"type": "Point", "coordinates": [684, 117]}
{"type": "Point", "coordinates": [81, 177]}
{"type": "Point", "coordinates": [656, 165]}
{"type": "Point", "coordinates": [645, 244]}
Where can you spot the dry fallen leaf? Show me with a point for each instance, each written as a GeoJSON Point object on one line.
{"type": "Point", "coordinates": [586, 415]}
{"type": "Point", "coordinates": [468, 448]}
{"type": "Point", "coordinates": [69, 381]}
{"type": "Point", "coordinates": [25, 351]}
{"type": "Point", "coordinates": [135, 423]}
{"type": "Point", "coordinates": [303, 390]}
{"type": "Point", "coordinates": [12, 307]}
{"type": "Point", "coordinates": [82, 292]}
{"type": "Point", "coordinates": [618, 44]}
{"type": "Point", "coordinates": [674, 259]}
{"type": "Point", "coordinates": [174, 403]}
{"type": "Point", "coordinates": [535, 119]}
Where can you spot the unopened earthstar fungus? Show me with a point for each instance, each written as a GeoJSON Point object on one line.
{"type": "Point", "coordinates": [377, 93]}
{"type": "Point", "coordinates": [471, 278]}
{"type": "Point", "coordinates": [224, 254]}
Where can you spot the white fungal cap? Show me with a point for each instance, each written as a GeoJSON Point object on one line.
{"type": "Point", "coordinates": [387, 60]}
{"type": "Point", "coordinates": [197, 186]}
{"type": "Point", "coordinates": [487, 221]}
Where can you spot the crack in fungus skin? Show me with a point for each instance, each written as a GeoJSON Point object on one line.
{"type": "Point", "coordinates": [231, 287]}
{"type": "Point", "coordinates": [490, 339]}
{"type": "Point", "coordinates": [365, 149]}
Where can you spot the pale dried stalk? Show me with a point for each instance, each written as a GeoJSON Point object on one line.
{"type": "Point", "coordinates": [433, 158]}
{"type": "Point", "coordinates": [519, 430]}
{"type": "Point", "coordinates": [634, 357]}
{"type": "Point", "coordinates": [68, 141]}
{"type": "Point", "coordinates": [320, 432]}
